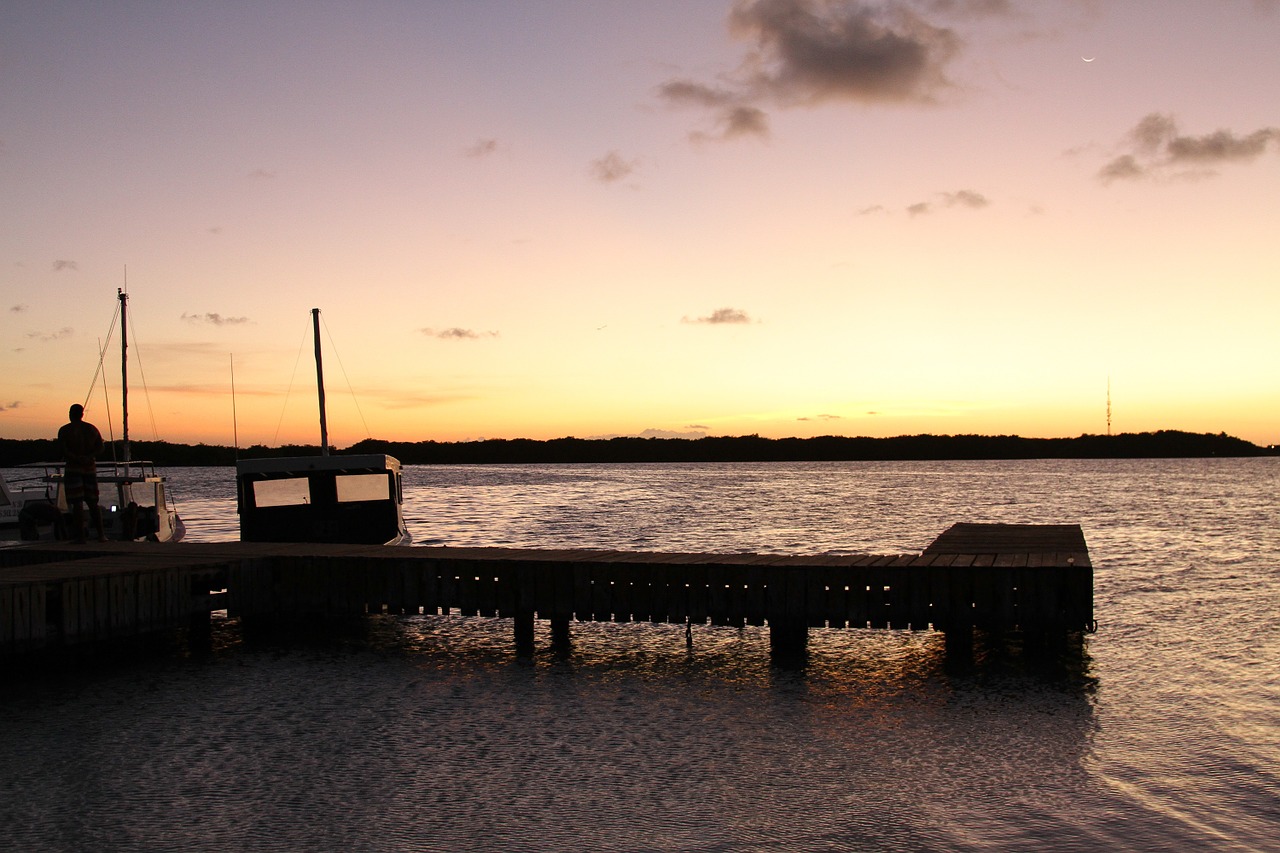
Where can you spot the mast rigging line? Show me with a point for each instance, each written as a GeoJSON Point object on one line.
{"type": "Point", "coordinates": [235, 421]}
{"type": "Point", "coordinates": [102, 357]}
{"type": "Point", "coordinates": [106, 399]}
{"type": "Point", "coordinates": [275, 439]}
{"type": "Point", "coordinates": [142, 374]}
{"type": "Point", "coordinates": [334, 348]}
{"type": "Point", "coordinates": [99, 374]}
{"type": "Point", "coordinates": [310, 329]}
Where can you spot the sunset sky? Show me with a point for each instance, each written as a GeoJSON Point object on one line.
{"type": "Point", "coordinates": [596, 218]}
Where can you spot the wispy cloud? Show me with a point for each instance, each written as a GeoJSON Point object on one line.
{"type": "Point", "coordinates": [262, 174]}
{"type": "Point", "coordinates": [721, 316]}
{"type": "Point", "coordinates": [401, 397]}
{"type": "Point", "coordinates": [811, 52]}
{"type": "Point", "coordinates": [691, 433]}
{"type": "Point", "coordinates": [64, 332]}
{"type": "Point", "coordinates": [732, 113]}
{"type": "Point", "coordinates": [612, 168]}
{"type": "Point", "coordinates": [65, 266]}
{"type": "Point", "coordinates": [482, 148]}
{"type": "Point", "coordinates": [202, 350]}
{"type": "Point", "coordinates": [1123, 168]}
{"type": "Point", "coordinates": [214, 319]}
{"type": "Point", "coordinates": [971, 199]}
{"type": "Point", "coordinates": [822, 418]}
{"type": "Point", "coordinates": [18, 309]}
{"type": "Point", "coordinates": [8, 407]}
{"type": "Point", "coordinates": [737, 121]}
{"type": "Point", "coordinates": [652, 432]}
{"type": "Point", "coordinates": [688, 92]}
{"type": "Point", "coordinates": [457, 334]}
{"type": "Point", "coordinates": [391, 400]}
{"type": "Point", "coordinates": [970, 8]}
{"type": "Point", "coordinates": [965, 198]}
{"type": "Point", "coordinates": [1157, 149]}
{"type": "Point", "coordinates": [213, 389]}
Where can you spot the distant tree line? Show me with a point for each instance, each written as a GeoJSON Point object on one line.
{"type": "Point", "coordinates": [753, 448]}
{"type": "Point", "coordinates": [749, 448]}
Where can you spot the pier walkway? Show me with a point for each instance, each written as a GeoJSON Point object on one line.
{"type": "Point", "coordinates": [1033, 578]}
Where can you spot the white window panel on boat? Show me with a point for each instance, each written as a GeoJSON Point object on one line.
{"type": "Point", "coordinates": [363, 487]}
{"type": "Point", "coordinates": [286, 492]}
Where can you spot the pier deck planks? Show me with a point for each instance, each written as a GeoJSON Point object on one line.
{"type": "Point", "coordinates": [998, 576]}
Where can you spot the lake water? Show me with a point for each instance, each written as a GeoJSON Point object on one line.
{"type": "Point", "coordinates": [426, 733]}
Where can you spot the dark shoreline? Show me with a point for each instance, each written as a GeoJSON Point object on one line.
{"type": "Point", "coordinates": [1164, 444]}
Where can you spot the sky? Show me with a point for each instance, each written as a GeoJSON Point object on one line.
{"type": "Point", "coordinates": [595, 218]}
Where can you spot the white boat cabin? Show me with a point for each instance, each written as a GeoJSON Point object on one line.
{"type": "Point", "coordinates": [352, 499]}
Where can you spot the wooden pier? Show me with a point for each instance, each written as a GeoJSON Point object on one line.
{"type": "Point", "coordinates": [1033, 578]}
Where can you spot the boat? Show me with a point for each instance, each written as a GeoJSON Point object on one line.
{"type": "Point", "coordinates": [26, 504]}
{"type": "Point", "coordinates": [352, 499]}
{"type": "Point", "coordinates": [133, 496]}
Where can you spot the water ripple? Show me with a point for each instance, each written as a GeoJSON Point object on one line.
{"type": "Point", "coordinates": [427, 733]}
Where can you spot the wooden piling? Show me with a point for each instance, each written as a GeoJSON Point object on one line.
{"type": "Point", "coordinates": [560, 633]}
{"type": "Point", "coordinates": [524, 633]}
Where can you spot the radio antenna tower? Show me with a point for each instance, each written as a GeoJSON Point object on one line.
{"type": "Point", "coordinates": [1108, 405]}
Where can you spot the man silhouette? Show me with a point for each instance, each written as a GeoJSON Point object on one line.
{"type": "Point", "coordinates": [81, 443]}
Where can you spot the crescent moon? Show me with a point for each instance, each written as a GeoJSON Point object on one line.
{"type": "Point", "coordinates": [1088, 58]}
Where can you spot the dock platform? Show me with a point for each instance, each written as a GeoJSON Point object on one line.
{"type": "Point", "coordinates": [997, 577]}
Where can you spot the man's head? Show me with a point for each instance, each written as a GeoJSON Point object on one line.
{"type": "Point", "coordinates": [76, 412]}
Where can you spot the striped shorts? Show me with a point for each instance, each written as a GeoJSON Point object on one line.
{"type": "Point", "coordinates": [81, 486]}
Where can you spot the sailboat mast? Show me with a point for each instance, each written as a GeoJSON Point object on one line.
{"type": "Point", "coordinates": [324, 424]}
{"type": "Point", "coordinates": [124, 368]}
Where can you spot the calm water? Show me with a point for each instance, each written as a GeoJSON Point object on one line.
{"type": "Point", "coordinates": [425, 733]}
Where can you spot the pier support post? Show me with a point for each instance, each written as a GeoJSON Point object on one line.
{"type": "Point", "coordinates": [560, 633]}
{"type": "Point", "coordinates": [959, 643]}
{"type": "Point", "coordinates": [788, 638]}
{"type": "Point", "coordinates": [522, 578]}
{"type": "Point", "coordinates": [200, 633]}
{"type": "Point", "coordinates": [524, 633]}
